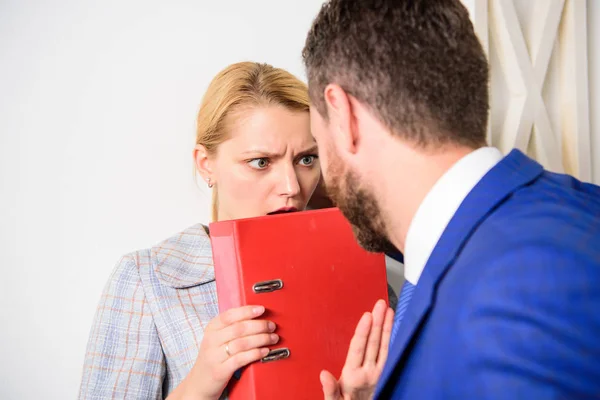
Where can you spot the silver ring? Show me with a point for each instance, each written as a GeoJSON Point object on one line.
{"type": "Point", "coordinates": [227, 350]}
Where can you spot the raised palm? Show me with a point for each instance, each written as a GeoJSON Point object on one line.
{"type": "Point", "coordinates": [366, 357]}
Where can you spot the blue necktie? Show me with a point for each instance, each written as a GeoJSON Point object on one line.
{"type": "Point", "coordinates": [405, 296]}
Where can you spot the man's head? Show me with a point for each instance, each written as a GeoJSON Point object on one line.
{"type": "Point", "coordinates": [387, 71]}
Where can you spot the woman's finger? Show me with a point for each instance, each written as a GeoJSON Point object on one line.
{"type": "Point", "coordinates": [240, 360]}
{"type": "Point", "coordinates": [374, 341]}
{"type": "Point", "coordinates": [356, 351]}
{"type": "Point", "coordinates": [234, 315]}
{"type": "Point", "coordinates": [251, 342]}
{"type": "Point", "coordinates": [245, 328]}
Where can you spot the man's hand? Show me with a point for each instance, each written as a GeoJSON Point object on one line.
{"type": "Point", "coordinates": [366, 357]}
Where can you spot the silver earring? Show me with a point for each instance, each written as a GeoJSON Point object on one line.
{"type": "Point", "coordinates": [210, 185]}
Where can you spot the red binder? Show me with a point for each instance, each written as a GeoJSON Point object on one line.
{"type": "Point", "coordinates": [315, 282]}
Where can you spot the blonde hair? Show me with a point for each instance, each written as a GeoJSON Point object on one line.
{"type": "Point", "coordinates": [240, 86]}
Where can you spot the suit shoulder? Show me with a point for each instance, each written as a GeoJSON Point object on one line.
{"type": "Point", "coordinates": [548, 217]}
{"type": "Point", "coordinates": [561, 193]}
{"type": "Point", "coordinates": [125, 276]}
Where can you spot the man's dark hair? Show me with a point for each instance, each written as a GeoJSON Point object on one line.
{"type": "Point", "coordinates": [417, 64]}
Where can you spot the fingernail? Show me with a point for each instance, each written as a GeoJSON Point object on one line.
{"type": "Point", "coordinates": [274, 338]}
{"type": "Point", "coordinates": [272, 326]}
{"type": "Point", "coordinates": [258, 310]}
{"type": "Point", "coordinates": [264, 352]}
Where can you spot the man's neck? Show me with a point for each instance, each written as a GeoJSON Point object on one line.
{"type": "Point", "coordinates": [409, 175]}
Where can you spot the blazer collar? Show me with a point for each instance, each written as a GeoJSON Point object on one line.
{"type": "Point", "coordinates": [184, 260]}
{"type": "Point", "coordinates": [510, 174]}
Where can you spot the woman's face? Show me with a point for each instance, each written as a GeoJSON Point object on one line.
{"type": "Point", "coordinates": [268, 165]}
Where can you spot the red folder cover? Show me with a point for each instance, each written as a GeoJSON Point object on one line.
{"type": "Point", "coordinates": [315, 282]}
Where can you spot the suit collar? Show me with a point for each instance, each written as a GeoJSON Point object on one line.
{"type": "Point", "coordinates": [184, 260]}
{"type": "Point", "coordinates": [513, 172]}
{"type": "Point", "coordinates": [439, 206]}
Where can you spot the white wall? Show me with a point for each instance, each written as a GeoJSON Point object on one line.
{"type": "Point", "coordinates": [97, 110]}
{"type": "Point", "coordinates": [554, 144]}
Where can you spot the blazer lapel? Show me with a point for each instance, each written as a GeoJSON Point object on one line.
{"type": "Point", "coordinates": [184, 260]}
{"type": "Point", "coordinates": [513, 172]}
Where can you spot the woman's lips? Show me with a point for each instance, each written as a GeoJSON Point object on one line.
{"type": "Point", "coordinates": [283, 210]}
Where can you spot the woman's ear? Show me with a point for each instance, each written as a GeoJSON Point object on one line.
{"type": "Point", "coordinates": [203, 164]}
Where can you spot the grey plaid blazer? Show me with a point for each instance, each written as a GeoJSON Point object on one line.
{"type": "Point", "coordinates": [151, 318]}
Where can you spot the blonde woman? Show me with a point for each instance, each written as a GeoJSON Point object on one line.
{"type": "Point", "coordinates": [157, 331]}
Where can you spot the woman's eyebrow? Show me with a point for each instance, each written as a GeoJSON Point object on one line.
{"type": "Point", "coordinates": [273, 154]}
{"type": "Point", "coordinates": [263, 152]}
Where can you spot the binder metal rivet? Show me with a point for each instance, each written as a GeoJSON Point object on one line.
{"type": "Point", "coordinates": [267, 286]}
{"type": "Point", "coordinates": [276, 354]}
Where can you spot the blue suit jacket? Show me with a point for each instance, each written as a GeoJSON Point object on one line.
{"type": "Point", "coordinates": [508, 305]}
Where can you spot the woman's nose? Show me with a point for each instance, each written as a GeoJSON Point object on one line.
{"type": "Point", "coordinates": [289, 185]}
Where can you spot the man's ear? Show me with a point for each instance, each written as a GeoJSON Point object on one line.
{"type": "Point", "coordinates": [342, 120]}
{"type": "Point", "coordinates": [203, 164]}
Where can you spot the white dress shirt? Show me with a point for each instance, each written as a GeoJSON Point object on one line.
{"type": "Point", "coordinates": [440, 205]}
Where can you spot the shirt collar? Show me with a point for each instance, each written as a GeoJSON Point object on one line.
{"type": "Point", "coordinates": [439, 206]}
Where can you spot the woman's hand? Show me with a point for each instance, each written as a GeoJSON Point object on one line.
{"type": "Point", "coordinates": [231, 341]}
{"type": "Point", "coordinates": [366, 357]}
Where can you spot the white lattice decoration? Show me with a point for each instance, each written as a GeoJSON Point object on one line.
{"type": "Point", "coordinates": [545, 116]}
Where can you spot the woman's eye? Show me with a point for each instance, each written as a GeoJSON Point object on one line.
{"type": "Point", "coordinates": [308, 160]}
{"type": "Point", "coordinates": [259, 163]}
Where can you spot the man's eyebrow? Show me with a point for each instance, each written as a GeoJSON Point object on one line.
{"type": "Point", "coordinates": [313, 149]}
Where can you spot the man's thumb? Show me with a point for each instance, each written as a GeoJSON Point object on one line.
{"type": "Point", "coordinates": [331, 388]}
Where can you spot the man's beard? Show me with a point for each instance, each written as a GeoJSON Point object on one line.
{"type": "Point", "coordinates": [360, 207]}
